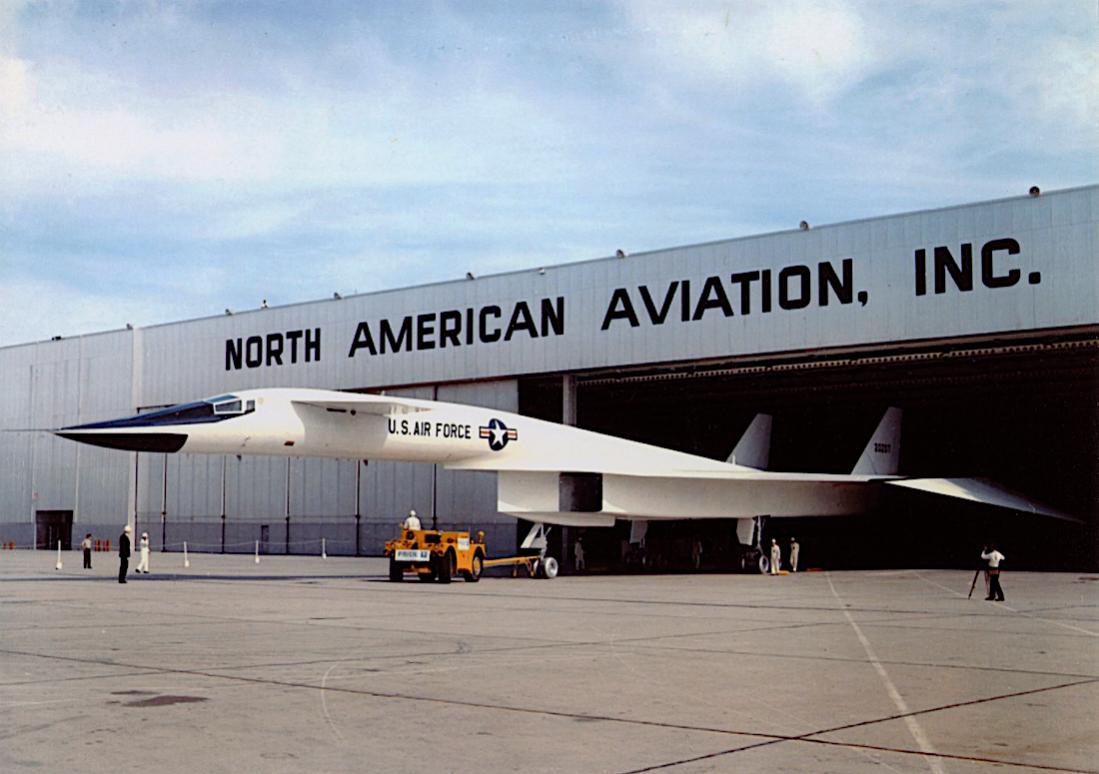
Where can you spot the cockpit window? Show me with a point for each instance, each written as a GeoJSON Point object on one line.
{"type": "Point", "coordinates": [181, 414]}
{"type": "Point", "coordinates": [226, 406]}
{"type": "Point", "coordinates": [229, 407]}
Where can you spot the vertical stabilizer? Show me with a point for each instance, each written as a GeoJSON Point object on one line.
{"type": "Point", "coordinates": [753, 450]}
{"type": "Point", "coordinates": [882, 455]}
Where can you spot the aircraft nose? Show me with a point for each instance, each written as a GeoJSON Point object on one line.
{"type": "Point", "coordinates": [127, 440]}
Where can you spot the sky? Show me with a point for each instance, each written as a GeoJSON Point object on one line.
{"type": "Point", "coordinates": [164, 161]}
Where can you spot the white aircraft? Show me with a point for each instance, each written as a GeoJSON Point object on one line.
{"type": "Point", "coordinates": [547, 473]}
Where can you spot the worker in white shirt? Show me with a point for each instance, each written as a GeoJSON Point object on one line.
{"type": "Point", "coordinates": [776, 556]}
{"type": "Point", "coordinates": [143, 563]}
{"type": "Point", "coordinates": [413, 521]}
{"type": "Point", "coordinates": [795, 549]}
{"type": "Point", "coordinates": [993, 557]}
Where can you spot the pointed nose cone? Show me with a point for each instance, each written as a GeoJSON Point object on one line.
{"type": "Point", "coordinates": [127, 439]}
{"type": "Point", "coordinates": [159, 431]}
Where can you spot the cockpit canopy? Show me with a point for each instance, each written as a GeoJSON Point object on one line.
{"type": "Point", "coordinates": [200, 412]}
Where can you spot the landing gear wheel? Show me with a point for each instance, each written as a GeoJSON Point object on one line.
{"type": "Point", "coordinates": [396, 572]}
{"type": "Point", "coordinates": [445, 567]}
{"type": "Point", "coordinates": [764, 564]}
{"type": "Point", "coordinates": [547, 568]}
{"type": "Point", "coordinates": [477, 566]}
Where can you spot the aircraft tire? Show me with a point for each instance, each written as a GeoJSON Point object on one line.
{"type": "Point", "coordinates": [445, 567]}
{"type": "Point", "coordinates": [547, 568]}
{"type": "Point", "coordinates": [396, 572]}
{"type": "Point", "coordinates": [764, 564]}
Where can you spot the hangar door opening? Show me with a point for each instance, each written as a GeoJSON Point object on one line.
{"type": "Point", "coordinates": [1023, 415]}
{"type": "Point", "coordinates": [51, 527]}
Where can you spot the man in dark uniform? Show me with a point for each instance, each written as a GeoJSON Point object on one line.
{"type": "Point", "coordinates": [123, 553]}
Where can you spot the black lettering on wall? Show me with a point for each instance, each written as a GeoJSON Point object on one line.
{"type": "Point", "coordinates": [829, 281]}
{"type": "Point", "coordinates": [234, 354]}
{"type": "Point", "coordinates": [961, 274]}
{"type": "Point", "coordinates": [795, 285]}
{"type": "Point", "coordinates": [486, 334]}
{"type": "Point", "coordinates": [293, 337]}
{"type": "Point", "coordinates": [620, 308]}
{"type": "Point", "coordinates": [553, 316]}
{"type": "Point", "coordinates": [363, 340]}
{"type": "Point", "coordinates": [274, 348]}
{"type": "Point", "coordinates": [712, 297]}
{"type": "Point", "coordinates": [253, 352]}
{"type": "Point", "coordinates": [745, 280]}
{"type": "Point", "coordinates": [658, 316]}
{"type": "Point", "coordinates": [450, 325]}
{"type": "Point", "coordinates": [425, 331]}
{"type": "Point", "coordinates": [988, 269]}
{"type": "Point", "coordinates": [312, 345]}
{"type": "Point", "coordinates": [402, 341]}
{"type": "Point", "coordinates": [521, 320]}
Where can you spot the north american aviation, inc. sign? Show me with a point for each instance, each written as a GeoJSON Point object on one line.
{"type": "Point", "coordinates": [762, 291]}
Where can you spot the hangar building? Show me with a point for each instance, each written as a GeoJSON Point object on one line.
{"type": "Point", "coordinates": [980, 321]}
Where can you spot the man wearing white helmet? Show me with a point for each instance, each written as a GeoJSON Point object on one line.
{"type": "Point", "coordinates": [776, 556]}
{"type": "Point", "coordinates": [413, 521]}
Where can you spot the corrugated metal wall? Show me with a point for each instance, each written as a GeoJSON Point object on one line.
{"type": "Point", "coordinates": [57, 383]}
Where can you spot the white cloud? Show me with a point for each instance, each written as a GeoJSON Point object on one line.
{"type": "Point", "coordinates": [815, 49]}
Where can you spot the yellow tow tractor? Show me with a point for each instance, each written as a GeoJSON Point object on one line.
{"type": "Point", "coordinates": [435, 555]}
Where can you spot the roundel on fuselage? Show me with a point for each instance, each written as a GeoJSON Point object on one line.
{"type": "Point", "coordinates": [498, 434]}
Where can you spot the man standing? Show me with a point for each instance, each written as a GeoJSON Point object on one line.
{"type": "Point", "coordinates": [578, 555]}
{"type": "Point", "coordinates": [86, 544]}
{"type": "Point", "coordinates": [794, 549]}
{"type": "Point", "coordinates": [143, 554]}
{"type": "Point", "coordinates": [123, 553]}
{"type": "Point", "coordinates": [993, 557]}
{"type": "Point", "coordinates": [776, 556]}
{"type": "Point", "coordinates": [413, 521]}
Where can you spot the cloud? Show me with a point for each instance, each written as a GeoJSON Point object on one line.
{"type": "Point", "coordinates": [346, 113]}
{"type": "Point", "coordinates": [813, 49]}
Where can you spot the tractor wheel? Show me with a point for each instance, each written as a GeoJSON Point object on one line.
{"type": "Point", "coordinates": [396, 571]}
{"type": "Point", "coordinates": [445, 567]}
{"type": "Point", "coordinates": [476, 567]}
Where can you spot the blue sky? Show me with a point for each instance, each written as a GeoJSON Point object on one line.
{"type": "Point", "coordinates": [162, 161]}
